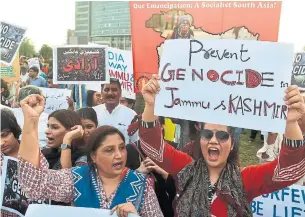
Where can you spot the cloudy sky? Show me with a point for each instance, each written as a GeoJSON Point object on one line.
{"type": "Point", "coordinates": [48, 21]}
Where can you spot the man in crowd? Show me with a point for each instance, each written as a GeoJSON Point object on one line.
{"type": "Point", "coordinates": [35, 79]}
{"type": "Point", "coordinates": [112, 112]}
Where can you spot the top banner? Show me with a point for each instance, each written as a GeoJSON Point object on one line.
{"type": "Point", "coordinates": [155, 22]}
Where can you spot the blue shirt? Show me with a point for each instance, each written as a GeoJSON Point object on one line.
{"type": "Point", "coordinates": [39, 82]}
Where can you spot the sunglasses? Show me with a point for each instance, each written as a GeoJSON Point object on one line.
{"type": "Point", "coordinates": [221, 136]}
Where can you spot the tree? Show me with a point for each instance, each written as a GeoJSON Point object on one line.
{"type": "Point", "coordinates": [46, 51]}
{"type": "Point", "coordinates": [27, 48]}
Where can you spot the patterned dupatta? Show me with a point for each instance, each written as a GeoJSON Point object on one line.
{"type": "Point", "coordinates": [87, 192]}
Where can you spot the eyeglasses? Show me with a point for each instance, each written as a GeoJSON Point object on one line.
{"type": "Point", "coordinates": [221, 136]}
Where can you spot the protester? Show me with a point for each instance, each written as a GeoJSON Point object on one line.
{"type": "Point", "coordinates": [89, 124]}
{"type": "Point", "coordinates": [4, 93]}
{"type": "Point", "coordinates": [64, 135]}
{"type": "Point", "coordinates": [94, 98]}
{"type": "Point", "coordinates": [10, 133]}
{"type": "Point", "coordinates": [88, 121]}
{"type": "Point", "coordinates": [214, 184]}
{"type": "Point", "coordinates": [130, 103]}
{"type": "Point", "coordinates": [103, 183]}
{"type": "Point", "coordinates": [24, 76]}
{"type": "Point", "coordinates": [35, 79]}
{"type": "Point", "coordinates": [112, 112]}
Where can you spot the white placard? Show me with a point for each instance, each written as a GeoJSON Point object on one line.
{"type": "Point", "coordinates": [51, 211]}
{"type": "Point", "coordinates": [230, 82]}
{"type": "Point", "coordinates": [55, 99]}
{"type": "Point", "coordinates": [120, 66]}
{"type": "Point", "coordinates": [34, 62]}
{"type": "Point", "coordinates": [288, 202]}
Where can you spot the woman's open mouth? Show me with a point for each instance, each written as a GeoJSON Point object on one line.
{"type": "Point", "coordinates": [213, 153]}
{"type": "Point", "coordinates": [50, 140]}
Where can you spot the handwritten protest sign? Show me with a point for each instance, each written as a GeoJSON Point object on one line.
{"type": "Point", "coordinates": [55, 99]}
{"type": "Point", "coordinates": [34, 62]}
{"type": "Point", "coordinates": [36, 210]}
{"type": "Point", "coordinates": [229, 82]}
{"type": "Point", "coordinates": [298, 72]}
{"type": "Point", "coordinates": [10, 40]}
{"type": "Point", "coordinates": [121, 67]}
{"type": "Point", "coordinates": [80, 65]}
{"type": "Point", "coordinates": [13, 199]}
{"type": "Point", "coordinates": [11, 73]}
{"type": "Point", "coordinates": [289, 201]}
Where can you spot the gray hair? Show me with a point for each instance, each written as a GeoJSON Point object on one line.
{"type": "Point", "coordinates": [26, 91]}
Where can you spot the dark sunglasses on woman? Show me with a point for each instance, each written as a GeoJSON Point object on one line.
{"type": "Point", "coordinates": [221, 136]}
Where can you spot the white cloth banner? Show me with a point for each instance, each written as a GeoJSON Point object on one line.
{"type": "Point", "coordinates": [288, 202]}
{"type": "Point", "coordinates": [51, 211]}
{"type": "Point", "coordinates": [55, 99]}
{"type": "Point", "coordinates": [230, 82]}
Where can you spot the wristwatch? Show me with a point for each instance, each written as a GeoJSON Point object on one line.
{"type": "Point", "coordinates": [65, 146]}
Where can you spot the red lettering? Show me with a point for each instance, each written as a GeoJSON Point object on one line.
{"type": "Point", "coordinates": [230, 83]}
{"type": "Point", "coordinates": [213, 75]}
{"type": "Point", "coordinates": [253, 78]}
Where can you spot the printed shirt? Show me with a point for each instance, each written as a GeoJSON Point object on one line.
{"type": "Point", "coordinates": [5, 213]}
{"type": "Point", "coordinates": [58, 185]}
{"type": "Point", "coordinates": [120, 118]}
{"type": "Point", "coordinates": [257, 179]}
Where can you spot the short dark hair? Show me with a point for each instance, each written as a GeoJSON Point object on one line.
{"type": "Point", "coordinates": [34, 68]}
{"type": "Point", "coordinates": [9, 122]}
{"type": "Point", "coordinates": [88, 113]}
{"type": "Point", "coordinates": [90, 94]}
{"type": "Point", "coordinates": [113, 81]}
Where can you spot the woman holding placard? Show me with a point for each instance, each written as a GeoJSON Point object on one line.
{"type": "Point", "coordinates": [214, 184]}
{"type": "Point", "coordinates": [103, 183]}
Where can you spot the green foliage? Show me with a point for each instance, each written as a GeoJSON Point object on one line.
{"type": "Point", "coordinates": [27, 48]}
{"type": "Point", "coordinates": [46, 51]}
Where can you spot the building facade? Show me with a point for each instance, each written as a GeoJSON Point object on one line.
{"type": "Point", "coordinates": [82, 21]}
{"type": "Point", "coordinates": [102, 22]}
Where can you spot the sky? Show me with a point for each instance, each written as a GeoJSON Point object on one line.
{"type": "Point", "coordinates": [48, 20]}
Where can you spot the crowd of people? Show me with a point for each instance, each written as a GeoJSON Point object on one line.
{"type": "Point", "coordinates": [105, 155]}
